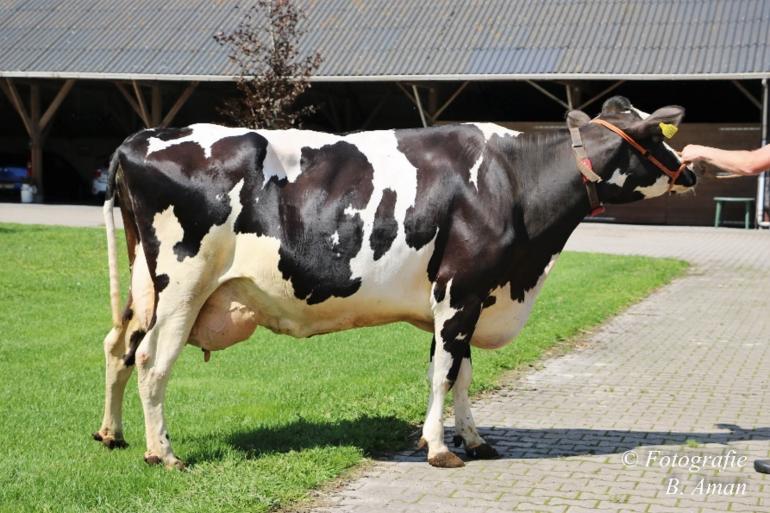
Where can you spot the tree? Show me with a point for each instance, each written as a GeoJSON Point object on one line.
{"type": "Point", "coordinates": [272, 76]}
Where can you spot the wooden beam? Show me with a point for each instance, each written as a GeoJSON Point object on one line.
{"type": "Point", "coordinates": [407, 93]}
{"type": "Point", "coordinates": [179, 104]}
{"type": "Point", "coordinates": [56, 103]}
{"type": "Point", "coordinates": [419, 106]}
{"type": "Point", "coordinates": [19, 105]}
{"type": "Point", "coordinates": [376, 110]}
{"type": "Point", "coordinates": [548, 94]}
{"type": "Point", "coordinates": [597, 96]}
{"type": "Point", "coordinates": [447, 103]}
{"type": "Point", "coordinates": [747, 94]}
{"type": "Point", "coordinates": [131, 102]}
{"type": "Point", "coordinates": [140, 101]}
{"type": "Point", "coordinates": [155, 105]}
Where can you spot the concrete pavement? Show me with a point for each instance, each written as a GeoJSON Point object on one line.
{"type": "Point", "coordinates": [663, 411]}
{"type": "Point", "coordinates": [64, 215]}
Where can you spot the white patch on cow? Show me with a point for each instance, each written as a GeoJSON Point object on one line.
{"type": "Point", "coordinates": [474, 174]}
{"type": "Point", "coordinates": [392, 170]}
{"type": "Point", "coordinates": [284, 151]}
{"type": "Point", "coordinates": [335, 238]}
{"type": "Point", "coordinates": [618, 178]}
{"type": "Point", "coordinates": [464, 423]}
{"type": "Point", "coordinates": [656, 189]}
{"type": "Point", "coordinates": [640, 113]}
{"type": "Point", "coordinates": [500, 323]}
{"type": "Point", "coordinates": [433, 428]}
{"type": "Point", "coordinates": [142, 289]}
{"type": "Point", "coordinates": [204, 134]}
{"type": "Point", "coordinates": [488, 129]}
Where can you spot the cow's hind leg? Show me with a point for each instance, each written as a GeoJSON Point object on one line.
{"type": "Point", "coordinates": [155, 357]}
{"type": "Point", "coordinates": [453, 329]}
{"type": "Point", "coordinates": [116, 377]}
{"type": "Point", "coordinates": [465, 427]}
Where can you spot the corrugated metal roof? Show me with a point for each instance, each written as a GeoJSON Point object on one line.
{"type": "Point", "coordinates": [398, 39]}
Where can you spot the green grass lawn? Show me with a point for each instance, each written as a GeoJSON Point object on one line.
{"type": "Point", "coordinates": [261, 423]}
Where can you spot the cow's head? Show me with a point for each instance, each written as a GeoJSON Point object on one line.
{"type": "Point", "coordinates": [627, 175]}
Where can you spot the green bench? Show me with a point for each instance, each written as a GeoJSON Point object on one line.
{"type": "Point", "coordinates": [748, 203]}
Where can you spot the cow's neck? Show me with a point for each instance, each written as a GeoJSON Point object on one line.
{"type": "Point", "coordinates": [550, 197]}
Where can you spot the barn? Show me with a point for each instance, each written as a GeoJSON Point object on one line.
{"type": "Point", "coordinates": [79, 76]}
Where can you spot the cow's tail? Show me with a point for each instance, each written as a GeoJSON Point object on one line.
{"type": "Point", "coordinates": [112, 253]}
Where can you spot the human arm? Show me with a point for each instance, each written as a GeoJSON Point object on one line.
{"type": "Point", "coordinates": [739, 162]}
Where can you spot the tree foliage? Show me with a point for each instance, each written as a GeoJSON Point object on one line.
{"type": "Point", "coordinates": [272, 75]}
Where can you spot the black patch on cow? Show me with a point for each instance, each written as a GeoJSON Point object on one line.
{"type": "Point", "coordinates": [489, 301]}
{"type": "Point", "coordinates": [133, 342]}
{"type": "Point", "coordinates": [128, 314]}
{"type": "Point", "coordinates": [306, 214]}
{"type": "Point", "coordinates": [385, 226]}
{"type": "Point", "coordinates": [168, 134]}
{"type": "Point", "coordinates": [439, 292]}
{"type": "Point", "coordinates": [503, 229]}
{"type": "Point", "coordinates": [463, 322]}
{"type": "Point", "coordinates": [443, 158]}
{"type": "Point", "coordinates": [161, 282]}
{"type": "Point", "coordinates": [181, 177]}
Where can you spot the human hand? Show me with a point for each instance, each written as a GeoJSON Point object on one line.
{"type": "Point", "coordinates": [692, 153]}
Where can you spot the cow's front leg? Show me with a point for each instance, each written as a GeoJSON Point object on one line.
{"type": "Point", "coordinates": [465, 427]}
{"type": "Point", "coordinates": [453, 327]}
{"type": "Point", "coordinates": [154, 359]}
{"type": "Point", "coordinates": [116, 376]}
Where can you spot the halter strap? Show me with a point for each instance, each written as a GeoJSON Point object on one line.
{"type": "Point", "coordinates": [672, 175]}
{"type": "Point", "coordinates": [590, 178]}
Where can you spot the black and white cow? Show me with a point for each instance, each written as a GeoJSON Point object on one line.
{"type": "Point", "coordinates": [453, 229]}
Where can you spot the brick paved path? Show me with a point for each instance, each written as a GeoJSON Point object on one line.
{"type": "Point", "coordinates": [685, 373]}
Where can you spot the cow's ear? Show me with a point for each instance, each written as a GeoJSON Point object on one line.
{"type": "Point", "coordinates": [663, 122]}
{"type": "Point", "coordinates": [577, 118]}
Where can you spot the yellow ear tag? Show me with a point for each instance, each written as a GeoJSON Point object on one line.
{"type": "Point", "coordinates": [668, 130]}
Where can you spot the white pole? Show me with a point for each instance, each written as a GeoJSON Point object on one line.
{"type": "Point", "coordinates": [761, 183]}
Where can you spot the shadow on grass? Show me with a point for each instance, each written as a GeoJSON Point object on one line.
{"type": "Point", "coordinates": [373, 435]}
{"type": "Point", "coordinates": [382, 437]}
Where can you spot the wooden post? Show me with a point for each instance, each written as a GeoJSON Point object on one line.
{"type": "Point", "coordinates": [34, 123]}
{"type": "Point", "coordinates": [35, 138]}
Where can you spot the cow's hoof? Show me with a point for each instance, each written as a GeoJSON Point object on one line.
{"type": "Point", "coordinates": [176, 464]}
{"type": "Point", "coordinates": [152, 459]}
{"type": "Point", "coordinates": [482, 452]}
{"type": "Point", "coordinates": [172, 463]}
{"type": "Point", "coordinates": [446, 460]}
{"type": "Point", "coordinates": [110, 442]}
